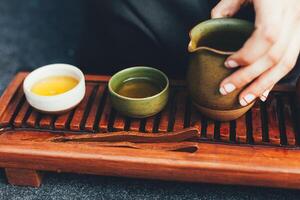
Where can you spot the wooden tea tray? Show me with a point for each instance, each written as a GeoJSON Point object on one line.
{"type": "Point", "coordinates": [260, 148]}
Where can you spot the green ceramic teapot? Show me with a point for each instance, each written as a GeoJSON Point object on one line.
{"type": "Point", "coordinates": [211, 43]}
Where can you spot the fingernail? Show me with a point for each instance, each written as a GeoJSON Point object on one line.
{"type": "Point", "coordinates": [222, 91]}
{"type": "Point", "coordinates": [231, 64]}
{"type": "Point", "coordinates": [229, 87]}
{"type": "Point", "coordinates": [247, 99]}
{"type": "Point", "coordinates": [262, 98]}
{"type": "Point", "coordinates": [266, 93]}
{"type": "Point", "coordinates": [243, 102]}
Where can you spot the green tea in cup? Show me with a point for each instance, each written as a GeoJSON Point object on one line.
{"type": "Point", "coordinates": [139, 87]}
{"type": "Point", "coordinates": [139, 92]}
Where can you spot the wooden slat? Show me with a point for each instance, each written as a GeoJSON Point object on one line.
{"type": "Point", "coordinates": [224, 131]}
{"type": "Point", "coordinates": [119, 122]}
{"type": "Point", "coordinates": [46, 121]}
{"type": "Point", "coordinates": [210, 129]}
{"type": "Point", "coordinates": [249, 127]}
{"type": "Point", "coordinates": [164, 119]}
{"type": "Point", "coordinates": [104, 119]}
{"type": "Point", "coordinates": [195, 118]}
{"type": "Point", "coordinates": [135, 124]}
{"type": "Point", "coordinates": [256, 124]}
{"type": "Point", "coordinates": [21, 115]}
{"type": "Point", "coordinates": [89, 125]}
{"type": "Point", "coordinates": [295, 111]}
{"type": "Point", "coordinates": [81, 109]}
{"type": "Point", "coordinates": [11, 108]}
{"type": "Point", "coordinates": [10, 90]}
{"type": "Point", "coordinates": [32, 119]}
{"type": "Point", "coordinates": [149, 126]}
{"type": "Point", "coordinates": [274, 135]}
{"type": "Point", "coordinates": [62, 121]}
{"type": "Point", "coordinates": [241, 131]}
{"type": "Point", "coordinates": [97, 78]}
{"type": "Point", "coordinates": [289, 127]}
{"type": "Point", "coordinates": [181, 98]}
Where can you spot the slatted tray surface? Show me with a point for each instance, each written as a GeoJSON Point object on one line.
{"type": "Point", "coordinates": [261, 148]}
{"type": "Point", "coordinates": [271, 123]}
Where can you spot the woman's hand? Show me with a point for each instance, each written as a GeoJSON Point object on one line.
{"type": "Point", "coordinates": [269, 54]}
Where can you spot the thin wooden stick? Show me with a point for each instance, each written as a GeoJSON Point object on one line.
{"type": "Point", "coordinates": [135, 137]}
{"type": "Point", "coordinates": [189, 147]}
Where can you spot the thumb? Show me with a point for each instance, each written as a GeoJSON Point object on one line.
{"type": "Point", "coordinates": [226, 8]}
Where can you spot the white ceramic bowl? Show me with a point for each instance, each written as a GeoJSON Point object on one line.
{"type": "Point", "coordinates": [57, 103]}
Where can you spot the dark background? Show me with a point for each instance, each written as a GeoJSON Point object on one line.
{"type": "Point", "coordinates": [38, 32]}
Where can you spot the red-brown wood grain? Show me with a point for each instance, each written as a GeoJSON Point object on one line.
{"type": "Point", "coordinates": [23, 177]}
{"type": "Point", "coordinates": [256, 124]}
{"type": "Point", "coordinates": [164, 122]}
{"type": "Point", "coordinates": [213, 158]}
{"type": "Point", "coordinates": [149, 126]}
{"type": "Point", "coordinates": [215, 163]}
{"type": "Point", "coordinates": [210, 129]}
{"type": "Point", "coordinates": [135, 124]}
{"type": "Point", "coordinates": [90, 78]}
{"type": "Point", "coordinates": [181, 98]}
{"type": "Point", "coordinates": [89, 125]}
{"type": "Point", "coordinates": [18, 121]}
{"type": "Point", "coordinates": [224, 131]}
{"type": "Point", "coordinates": [10, 91]}
{"type": "Point", "coordinates": [81, 109]}
{"type": "Point", "coordinates": [119, 122]}
{"type": "Point", "coordinates": [131, 136]}
{"type": "Point", "coordinates": [62, 120]}
{"type": "Point", "coordinates": [195, 119]}
{"type": "Point", "coordinates": [273, 124]}
{"type": "Point", "coordinates": [46, 121]}
{"type": "Point", "coordinates": [241, 130]}
{"type": "Point", "coordinates": [289, 127]}
{"type": "Point", "coordinates": [104, 119]}
{"type": "Point", "coordinates": [32, 119]}
{"type": "Point", "coordinates": [11, 108]}
{"type": "Point", "coordinates": [165, 114]}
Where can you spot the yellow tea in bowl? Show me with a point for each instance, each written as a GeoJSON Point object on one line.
{"type": "Point", "coordinates": [54, 85]}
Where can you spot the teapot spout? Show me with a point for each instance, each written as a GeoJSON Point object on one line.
{"type": "Point", "coordinates": [192, 46]}
{"type": "Point", "coordinates": [222, 36]}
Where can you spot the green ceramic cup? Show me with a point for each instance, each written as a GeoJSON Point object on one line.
{"type": "Point", "coordinates": [139, 107]}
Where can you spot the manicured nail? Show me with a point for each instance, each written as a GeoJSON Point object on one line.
{"type": "Point", "coordinates": [231, 64]}
{"type": "Point", "coordinates": [262, 98]}
{"type": "Point", "coordinates": [247, 99]}
{"type": "Point", "coordinates": [265, 95]}
{"type": "Point", "coordinates": [229, 87]}
{"type": "Point", "coordinates": [222, 91]}
{"type": "Point", "coordinates": [243, 102]}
